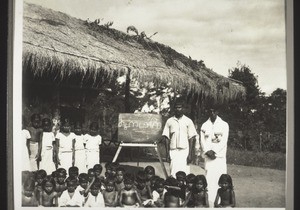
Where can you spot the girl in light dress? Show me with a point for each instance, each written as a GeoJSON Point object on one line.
{"type": "Point", "coordinates": [47, 142]}
{"type": "Point", "coordinates": [65, 142]}
{"type": "Point", "coordinates": [80, 153]}
{"type": "Point", "coordinates": [92, 144]}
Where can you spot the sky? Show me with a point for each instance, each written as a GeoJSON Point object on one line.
{"type": "Point", "coordinates": [219, 32]}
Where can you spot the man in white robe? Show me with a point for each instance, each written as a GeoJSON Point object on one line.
{"type": "Point", "coordinates": [214, 137]}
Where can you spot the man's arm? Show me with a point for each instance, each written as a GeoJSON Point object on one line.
{"type": "Point", "coordinates": [191, 149]}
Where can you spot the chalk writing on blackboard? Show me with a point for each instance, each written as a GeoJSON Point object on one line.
{"type": "Point", "coordinates": [139, 127]}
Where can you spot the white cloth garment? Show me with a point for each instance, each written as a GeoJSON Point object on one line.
{"type": "Point", "coordinates": [65, 199]}
{"type": "Point", "coordinates": [95, 201]}
{"type": "Point", "coordinates": [80, 154]}
{"type": "Point", "coordinates": [178, 161]}
{"type": "Point", "coordinates": [47, 152]}
{"type": "Point", "coordinates": [179, 131]}
{"type": "Point", "coordinates": [25, 156]}
{"type": "Point", "coordinates": [65, 149]}
{"type": "Point", "coordinates": [214, 136]}
{"type": "Point", "coordinates": [92, 149]}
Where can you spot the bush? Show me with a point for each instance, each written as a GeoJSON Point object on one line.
{"type": "Point", "coordinates": [257, 159]}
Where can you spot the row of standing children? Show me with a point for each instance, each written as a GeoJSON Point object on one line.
{"type": "Point", "coordinates": [120, 188]}
{"type": "Point", "coordinates": [44, 150]}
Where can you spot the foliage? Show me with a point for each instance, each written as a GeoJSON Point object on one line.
{"type": "Point", "coordinates": [259, 122]}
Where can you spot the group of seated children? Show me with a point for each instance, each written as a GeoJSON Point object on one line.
{"type": "Point", "coordinates": [120, 188]}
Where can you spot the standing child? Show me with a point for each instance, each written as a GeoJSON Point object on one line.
{"type": "Point", "coordinates": [198, 197]}
{"type": "Point", "coordinates": [110, 195]}
{"type": "Point", "coordinates": [80, 154]}
{"type": "Point", "coordinates": [128, 196]}
{"type": "Point", "coordinates": [119, 184]}
{"type": "Point", "coordinates": [48, 196]}
{"type": "Point", "coordinates": [71, 197]}
{"type": "Point", "coordinates": [47, 147]}
{"type": "Point", "coordinates": [28, 194]}
{"type": "Point", "coordinates": [65, 142]}
{"type": "Point", "coordinates": [26, 166]}
{"type": "Point", "coordinates": [225, 193]}
{"type": "Point", "coordinates": [34, 142]}
{"type": "Point", "coordinates": [95, 197]}
{"type": "Point", "coordinates": [93, 141]}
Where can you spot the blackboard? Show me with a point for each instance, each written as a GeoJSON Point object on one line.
{"type": "Point", "coordinates": [139, 127]}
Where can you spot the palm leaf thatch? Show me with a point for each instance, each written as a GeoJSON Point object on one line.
{"type": "Point", "coordinates": [56, 42]}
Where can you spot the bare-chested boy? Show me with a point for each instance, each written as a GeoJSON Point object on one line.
{"type": "Point", "coordinates": [34, 143]}
{"type": "Point", "coordinates": [110, 194]}
{"type": "Point", "coordinates": [129, 197]}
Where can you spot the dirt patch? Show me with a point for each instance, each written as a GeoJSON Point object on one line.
{"type": "Point", "coordinates": [254, 186]}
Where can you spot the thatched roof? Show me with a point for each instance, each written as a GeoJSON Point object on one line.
{"type": "Point", "coordinates": [55, 41]}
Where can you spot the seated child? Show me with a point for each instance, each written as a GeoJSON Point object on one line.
{"type": "Point", "coordinates": [60, 184]}
{"type": "Point", "coordinates": [83, 180]}
{"type": "Point", "coordinates": [225, 192]}
{"type": "Point", "coordinates": [128, 196]}
{"type": "Point", "coordinates": [98, 170]}
{"type": "Point", "coordinates": [28, 194]}
{"type": "Point", "coordinates": [95, 197]}
{"type": "Point", "coordinates": [159, 193]}
{"type": "Point", "coordinates": [190, 180]}
{"type": "Point", "coordinates": [143, 189]}
{"type": "Point", "coordinates": [40, 175]}
{"type": "Point", "coordinates": [48, 196]}
{"type": "Point", "coordinates": [110, 195]}
{"type": "Point", "coordinates": [181, 178]}
{"type": "Point", "coordinates": [171, 198]}
{"type": "Point", "coordinates": [91, 175]}
{"type": "Point", "coordinates": [73, 172]}
{"type": "Point", "coordinates": [119, 184]}
{"type": "Point", "coordinates": [71, 197]}
{"type": "Point", "coordinates": [198, 196]}
{"type": "Point", "coordinates": [150, 172]}
{"type": "Point", "coordinates": [152, 181]}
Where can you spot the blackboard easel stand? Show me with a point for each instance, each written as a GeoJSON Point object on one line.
{"type": "Point", "coordinates": [154, 145]}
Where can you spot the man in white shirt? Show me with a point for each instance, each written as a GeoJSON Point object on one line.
{"type": "Point", "coordinates": [179, 133]}
{"type": "Point", "coordinates": [214, 137]}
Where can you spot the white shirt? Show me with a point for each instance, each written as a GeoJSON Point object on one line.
{"type": "Point", "coordinates": [214, 136]}
{"type": "Point", "coordinates": [179, 131]}
{"type": "Point", "coordinates": [48, 139]}
{"type": "Point", "coordinates": [92, 142]}
{"type": "Point", "coordinates": [76, 200]}
{"type": "Point", "coordinates": [79, 142]}
{"type": "Point", "coordinates": [95, 201]}
{"type": "Point", "coordinates": [65, 142]}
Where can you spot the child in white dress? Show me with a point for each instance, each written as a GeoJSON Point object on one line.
{"type": "Point", "coordinates": [47, 147]}
{"type": "Point", "coordinates": [93, 141]}
{"type": "Point", "coordinates": [80, 153]}
{"type": "Point", "coordinates": [65, 141]}
{"type": "Point", "coordinates": [25, 154]}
